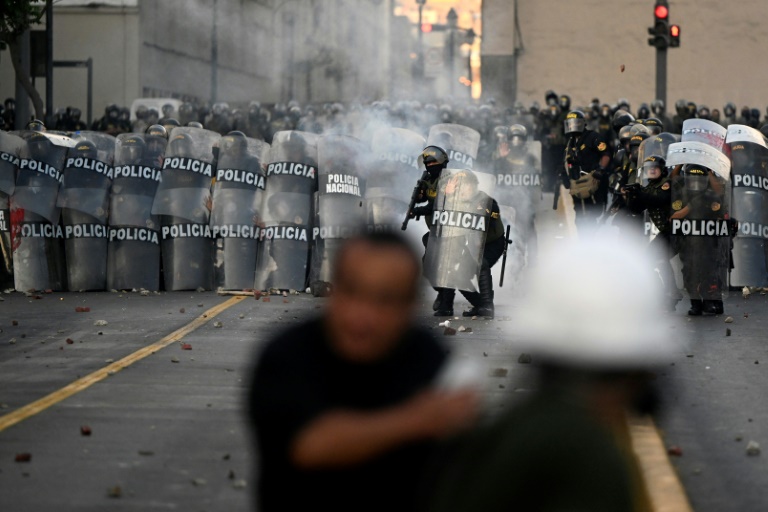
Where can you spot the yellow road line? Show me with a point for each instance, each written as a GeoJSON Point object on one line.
{"type": "Point", "coordinates": [664, 489]}
{"type": "Point", "coordinates": [85, 382]}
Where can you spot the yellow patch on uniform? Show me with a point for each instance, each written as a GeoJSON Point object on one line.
{"type": "Point", "coordinates": [602, 146]}
{"type": "Point", "coordinates": [715, 207]}
{"type": "Point", "coordinates": [677, 205]}
{"type": "Point", "coordinates": [494, 215]}
{"type": "Point", "coordinates": [431, 193]}
{"type": "Point", "coordinates": [665, 186]}
{"type": "Point", "coordinates": [583, 146]}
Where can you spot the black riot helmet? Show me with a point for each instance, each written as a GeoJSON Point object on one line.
{"type": "Point", "coordinates": [658, 107]}
{"type": "Point", "coordinates": [112, 111]}
{"type": "Point", "coordinates": [235, 141]}
{"type": "Point", "coordinates": [625, 135]}
{"type": "Point", "coordinates": [764, 130]}
{"type": "Point", "coordinates": [730, 109]}
{"type": "Point", "coordinates": [36, 125]}
{"type": "Point", "coordinates": [141, 112]}
{"type": "Point", "coordinates": [171, 123]}
{"type": "Point", "coordinates": [637, 139]}
{"type": "Point", "coordinates": [575, 123]}
{"type": "Point", "coordinates": [565, 102]}
{"type": "Point", "coordinates": [194, 124]}
{"type": "Point", "coordinates": [623, 104]}
{"type": "Point", "coordinates": [38, 146]}
{"type": "Point", "coordinates": [696, 177]}
{"type": "Point", "coordinates": [655, 162]}
{"type": "Point", "coordinates": [85, 149]}
{"type": "Point", "coordinates": [605, 111]}
{"type": "Point", "coordinates": [654, 125]}
{"type": "Point", "coordinates": [167, 110]}
{"type": "Point", "coordinates": [622, 118]}
{"type": "Point", "coordinates": [691, 108]}
{"type": "Point", "coordinates": [715, 116]}
{"type": "Point", "coordinates": [517, 135]}
{"type": "Point", "coordinates": [680, 107]}
{"type": "Point", "coordinates": [550, 97]}
{"type": "Point", "coordinates": [157, 130]}
{"type": "Point", "coordinates": [181, 144]}
{"type": "Point", "coordinates": [132, 149]}
{"type": "Point", "coordinates": [703, 112]}
{"type": "Point", "coordinates": [435, 159]}
{"type": "Point", "coordinates": [644, 112]}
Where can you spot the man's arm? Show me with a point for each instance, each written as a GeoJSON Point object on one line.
{"type": "Point", "coordinates": [343, 438]}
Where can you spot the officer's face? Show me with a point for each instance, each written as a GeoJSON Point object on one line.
{"type": "Point", "coordinates": [652, 170]}
{"type": "Point", "coordinates": [372, 302]}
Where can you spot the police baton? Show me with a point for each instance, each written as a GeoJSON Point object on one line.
{"type": "Point", "coordinates": [507, 243]}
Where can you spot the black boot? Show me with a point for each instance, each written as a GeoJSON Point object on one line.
{"type": "Point", "coordinates": [696, 307]}
{"type": "Point", "coordinates": [710, 307]}
{"type": "Point", "coordinates": [485, 282]}
{"type": "Point", "coordinates": [445, 307]}
{"type": "Point", "coordinates": [436, 304]}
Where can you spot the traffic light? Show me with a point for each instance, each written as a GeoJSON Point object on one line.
{"type": "Point", "coordinates": [660, 30]}
{"type": "Point", "coordinates": [433, 27]}
{"type": "Point", "coordinates": [426, 28]}
{"type": "Point", "coordinates": [674, 36]}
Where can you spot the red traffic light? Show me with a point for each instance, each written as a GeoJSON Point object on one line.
{"type": "Point", "coordinates": [674, 30]}
{"type": "Point", "coordinates": [426, 27]}
{"type": "Point", "coordinates": [661, 12]}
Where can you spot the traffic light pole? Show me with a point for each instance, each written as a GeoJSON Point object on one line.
{"type": "Point", "coordinates": [661, 74]}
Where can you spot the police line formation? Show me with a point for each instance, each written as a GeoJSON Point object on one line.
{"type": "Point", "coordinates": [91, 211]}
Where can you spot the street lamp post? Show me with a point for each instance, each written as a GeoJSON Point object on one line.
{"type": "Point", "coordinates": [420, 56]}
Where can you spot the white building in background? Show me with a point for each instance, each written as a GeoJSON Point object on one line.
{"type": "Point", "coordinates": [268, 50]}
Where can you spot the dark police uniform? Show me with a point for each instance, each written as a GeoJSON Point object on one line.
{"type": "Point", "coordinates": [583, 155]}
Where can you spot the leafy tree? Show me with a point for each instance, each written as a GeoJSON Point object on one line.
{"type": "Point", "coordinates": [16, 16]}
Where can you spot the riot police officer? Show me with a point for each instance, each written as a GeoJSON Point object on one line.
{"type": "Point", "coordinates": [698, 195]}
{"type": "Point", "coordinates": [586, 169]}
{"type": "Point", "coordinates": [654, 195]}
{"type": "Point", "coordinates": [461, 191]}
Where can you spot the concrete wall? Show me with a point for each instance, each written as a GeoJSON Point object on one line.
{"type": "Point", "coordinates": [107, 35]}
{"type": "Point", "coordinates": [578, 47]}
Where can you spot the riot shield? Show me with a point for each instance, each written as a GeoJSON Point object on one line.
{"type": "Point", "coordinates": [187, 250]}
{"type": "Point", "coordinates": [84, 200]}
{"type": "Point", "coordinates": [657, 145]}
{"type": "Point", "coordinates": [704, 131]}
{"type": "Point", "coordinates": [700, 225]}
{"type": "Point", "coordinates": [40, 172]}
{"type": "Point", "coordinates": [284, 238]}
{"type": "Point", "coordinates": [517, 190]}
{"type": "Point", "coordinates": [11, 149]}
{"type": "Point", "coordinates": [749, 158]}
{"type": "Point", "coordinates": [459, 227]}
{"type": "Point", "coordinates": [133, 256]}
{"type": "Point", "coordinates": [38, 252]}
{"type": "Point", "coordinates": [393, 176]}
{"type": "Point", "coordinates": [188, 170]}
{"type": "Point", "coordinates": [87, 175]}
{"type": "Point", "coordinates": [339, 205]}
{"type": "Point", "coordinates": [236, 211]}
{"type": "Point", "coordinates": [460, 142]}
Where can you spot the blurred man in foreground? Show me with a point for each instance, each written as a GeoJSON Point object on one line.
{"type": "Point", "coordinates": [344, 412]}
{"type": "Point", "coordinates": [566, 447]}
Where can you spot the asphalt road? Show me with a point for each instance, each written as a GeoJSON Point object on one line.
{"type": "Point", "coordinates": [167, 432]}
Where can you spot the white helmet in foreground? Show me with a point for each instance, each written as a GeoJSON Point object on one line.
{"type": "Point", "coordinates": [596, 305]}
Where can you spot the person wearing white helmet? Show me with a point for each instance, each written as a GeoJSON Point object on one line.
{"type": "Point", "coordinates": [566, 446]}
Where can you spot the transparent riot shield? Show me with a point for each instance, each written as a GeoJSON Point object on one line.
{"type": "Point", "coordinates": [460, 222]}
{"type": "Point", "coordinates": [84, 200]}
{"type": "Point", "coordinates": [188, 172]}
{"type": "Point", "coordinates": [392, 176]}
{"type": "Point", "coordinates": [39, 175]}
{"type": "Point", "coordinates": [704, 131]}
{"type": "Point", "coordinates": [236, 211]}
{"type": "Point", "coordinates": [749, 159]}
{"type": "Point", "coordinates": [287, 219]}
{"type": "Point", "coordinates": [339, 206]}
{"type": "Point", "coordinates": [460, 142]}
{"type": "Point", "coordinates": [701, 229]}
{"type": "Point", "coordinates": [133, 260]}
{"type": "Point", "coordinates": [11, 149]}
